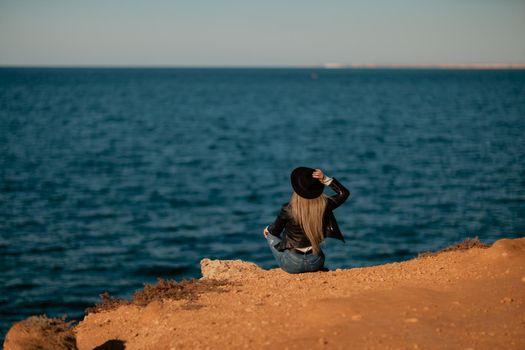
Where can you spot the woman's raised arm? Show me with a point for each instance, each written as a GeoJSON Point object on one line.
{"type": "Point", "coordinates": [342, 194]}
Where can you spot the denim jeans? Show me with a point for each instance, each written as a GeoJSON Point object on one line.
{"type": "Point", "coordinates": [292, 262]}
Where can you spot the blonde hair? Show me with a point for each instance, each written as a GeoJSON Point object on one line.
{"type": "Point", "coordinates": [308, 213]}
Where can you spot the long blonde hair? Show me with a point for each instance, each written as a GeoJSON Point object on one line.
{"type": "Point", "coordinates": [308, 213]}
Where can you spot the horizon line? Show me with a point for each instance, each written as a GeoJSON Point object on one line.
{"type": "Point", "coordinates": [305, 66]}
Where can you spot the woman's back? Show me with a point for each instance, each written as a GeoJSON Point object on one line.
{"type": "Point", "coordinates": [304, 221]}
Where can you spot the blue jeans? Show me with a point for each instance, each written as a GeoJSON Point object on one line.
{"type": "Point", "coordinates": [292, 262]}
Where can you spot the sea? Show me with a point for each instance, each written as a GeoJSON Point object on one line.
{"type": "Point", "coordinates": [111, 178]}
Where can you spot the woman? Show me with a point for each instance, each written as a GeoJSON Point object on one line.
{"type": "Point", "coordinates": [306, 219]}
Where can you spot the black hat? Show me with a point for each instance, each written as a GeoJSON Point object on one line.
{"type": "Point", "coordinates": [304, 184]}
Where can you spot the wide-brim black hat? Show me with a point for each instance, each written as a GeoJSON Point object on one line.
{"type": "Point", "coordinates": [304, 184]}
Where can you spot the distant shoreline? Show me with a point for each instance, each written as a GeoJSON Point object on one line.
{"type": "Point", "coordinates": [429, 66]}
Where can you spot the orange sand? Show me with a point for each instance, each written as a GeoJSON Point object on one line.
{"type": "Point", "coordinates": [472, 299]}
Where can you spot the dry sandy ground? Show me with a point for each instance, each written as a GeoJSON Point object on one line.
{"type": "Point", "coordinates": [472, 299]}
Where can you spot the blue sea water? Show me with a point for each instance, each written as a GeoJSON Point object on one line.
{"type": "Point", "coordinates": [110, 178]}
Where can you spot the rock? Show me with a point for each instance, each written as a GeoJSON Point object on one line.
{"type": "Point", "coordinates": [506, 300]}
{"type": "Point", "coordinates": [507, 248]}
{"type": "Point", "coordinates": [228, 269]}
{"type": "Point", "coordinates": [40, 332]}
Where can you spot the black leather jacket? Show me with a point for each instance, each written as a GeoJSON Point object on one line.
{"type": "Point", "coordinates": [294, 236]}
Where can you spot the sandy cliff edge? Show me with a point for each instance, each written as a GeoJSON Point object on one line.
{"type": "Point", "coordinates": [471, 299]}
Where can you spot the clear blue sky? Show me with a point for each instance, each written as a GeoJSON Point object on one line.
{"type": "Point", "coordinates": [260, 33]}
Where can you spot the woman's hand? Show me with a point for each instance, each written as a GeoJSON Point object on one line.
{"type": "Point", "coordinates": [318, 174]}
{"type": "Point", "coordinates": [266, 232]}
